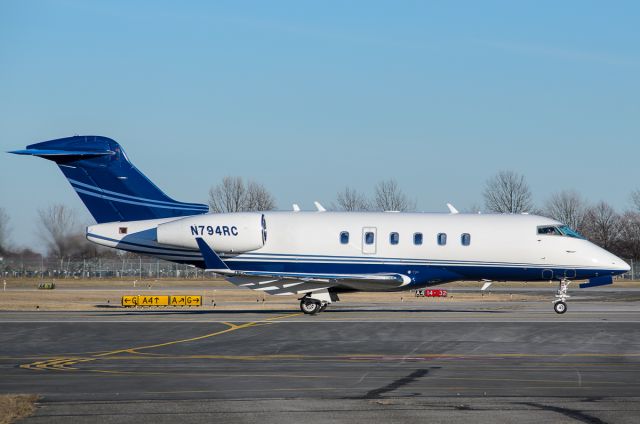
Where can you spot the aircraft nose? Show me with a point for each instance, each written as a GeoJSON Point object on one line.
{"type": "Point", "coordinates": [624, 267]}
{"type": "Point", "coordinates": [609, 261]}
{"type": "Point", "coordinates": [617, 265]}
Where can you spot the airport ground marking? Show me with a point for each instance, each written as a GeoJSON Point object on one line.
{"type": "Point", "coordinates": [231, 327]}
{"type": "Point", "coordinates": [66, 363]}
{"type": "Point", "coordinates": [555, 383]}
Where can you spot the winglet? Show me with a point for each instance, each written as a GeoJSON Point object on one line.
{"type": "Point", "coordinates": [319, 207]}
{"type": "Point", "coordinates": [452, 209]}
{"type": "Point", "coordinates": [211, 260]}
{"type": "Point", "coordinates": [296, 208]}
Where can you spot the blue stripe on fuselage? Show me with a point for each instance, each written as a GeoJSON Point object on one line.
{"type": "Point", "coordinates": [422, 271]}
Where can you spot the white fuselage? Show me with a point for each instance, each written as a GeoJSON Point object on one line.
{"type": "Point", "coordinates": [478, 246]}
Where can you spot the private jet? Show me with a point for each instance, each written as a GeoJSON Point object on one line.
{"type": "Point", "coordinates": [319, 254]}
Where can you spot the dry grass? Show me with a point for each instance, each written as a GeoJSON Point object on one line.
{"type": "Point", "coordinates": [15, 407]}
{"type": "Point", "coordinates": [75, 294]}
{"type": "Point", "coordinates": [115, 283]}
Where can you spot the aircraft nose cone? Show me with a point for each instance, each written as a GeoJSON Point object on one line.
{"type": "Point", "coordinates": [608, 262]}
{"type": "Point", "coordinates": [618, 265]}
{"type": "Point", "coordinates": [624, 267]}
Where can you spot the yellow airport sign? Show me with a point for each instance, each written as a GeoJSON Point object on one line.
{"type": "Point", "coordinates": [186, 301]}
{"type": "Point", "coordinates": [129, 300]}
{"type": "Point", "coordinates": [153, 300]}
{"type": "Point", "coordinates": [161, 300]}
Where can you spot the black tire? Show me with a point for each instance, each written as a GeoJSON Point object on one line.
{"type": "Point", "coordinates": [323, 307]}
{"type": "Point", "coordinates": [560, 307]}
{"type": "Point", "coordinates": [309, 307]}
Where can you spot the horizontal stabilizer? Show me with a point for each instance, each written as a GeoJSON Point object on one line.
{"type": "Point", "coordinates": [597, 281]}
{"type": "Point", "coordinates": [44, 153]}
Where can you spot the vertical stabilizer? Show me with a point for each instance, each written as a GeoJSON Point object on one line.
{"type": "Point", "coordinates": [110, 186]}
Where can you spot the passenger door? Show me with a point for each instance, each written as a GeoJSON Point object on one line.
{"type": "Point", "coordinates": [369, 240]}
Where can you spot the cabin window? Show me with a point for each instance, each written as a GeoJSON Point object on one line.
{"type": "Point", "coordinates": [122, 230]}
{"type": "Point", "coordinates": [344, 237]}
{"type": "Point", "coordinates": [442, 239]}
{"type": "Point", "coordinates": [417, 239]}
{"type": "Point", "coordinates": [394, 238]}
{"type": "Point", "coordinates": [465, 239]}
{"type": "Point", "coordinates": [369, 238]}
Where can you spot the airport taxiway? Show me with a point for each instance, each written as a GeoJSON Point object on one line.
{"type": "Point", "coordinates": [394, 362]}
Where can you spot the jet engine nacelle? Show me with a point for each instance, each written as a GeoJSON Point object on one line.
{"type": "Point", "coordinates": [224, 232]}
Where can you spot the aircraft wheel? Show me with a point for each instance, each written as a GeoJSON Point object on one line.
{"type": "Point", "coordinates": [309, 307]}
{"type": "Point", "coordinates": [560, 307]}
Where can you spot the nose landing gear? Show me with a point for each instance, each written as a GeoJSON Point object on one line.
{"type": "Point", "coordinates": [560, 307]}
{"type": "Point", "coordinates": [560, 304]}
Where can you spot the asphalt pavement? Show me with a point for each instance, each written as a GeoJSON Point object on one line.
{"type": "Point", "coordinates": [394, 362]}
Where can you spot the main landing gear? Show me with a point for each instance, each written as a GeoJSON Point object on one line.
{"type": "Point", "coordinates": [560, 304]}
{"type": "Point", "coordinates": [316, 302]}
{"type": "Point", "coordinates": [311, 306]}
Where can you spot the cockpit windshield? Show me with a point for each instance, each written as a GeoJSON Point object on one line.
{"type": "Point", "coordinates": [570, 232]}
{"type": "Point", "coordinates": [559, 230]}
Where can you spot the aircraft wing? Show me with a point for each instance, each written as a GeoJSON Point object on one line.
{"type": "Point", "coordinates": [296, 283]}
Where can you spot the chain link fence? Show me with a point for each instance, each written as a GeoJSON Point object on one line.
{"type": "Point", "coordinates": [634, 273]}
{"type": "Point", "coordinates": [97, 268]}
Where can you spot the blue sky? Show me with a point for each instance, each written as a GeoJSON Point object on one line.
{"type": "Point", "coordinates": [307, 97]}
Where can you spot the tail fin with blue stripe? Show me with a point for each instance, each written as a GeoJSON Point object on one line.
{"type": "Point", "coordinates": [108, 184]}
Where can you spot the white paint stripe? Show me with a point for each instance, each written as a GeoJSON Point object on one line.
{"type": "Point", "coordinates": [369, 261]}
{"type": "Point", "coordinates": [99, 190]}
{"type": "Point", "coordinates": [395, 261]}
{"type": "Point", "coordinates": [105, 197]}
{"type": "Point", "coordinates": [140, 244]}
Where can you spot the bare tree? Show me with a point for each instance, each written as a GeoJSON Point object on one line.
{"type": "Point", "coordinates": [389, 197]}
{"type": "Point", "coordinates": [635, 199]}
{"type": "Point", "coordinates": [57, 224]}
{"type": "Point", "coordinates": [568, 207]}
{"type": "Point", "coordinates": [351, 200]}
{"type": "Point", "coordinates": [233, 196]}
{"type": "Point", "coordinates": [258, 198]}
{"type": "Point", "coordinates": [507, 192]}
{"type": "Point", "coordinates": [629, 238]}
{"type": "Point", "coordinates": [4, 231]}
{"type": "Point", "coordinates": [227, 196]}
{"type": "Point", "coordinates": [473, 208]}
{"type": "Point", "coordinates": [602, 225]}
